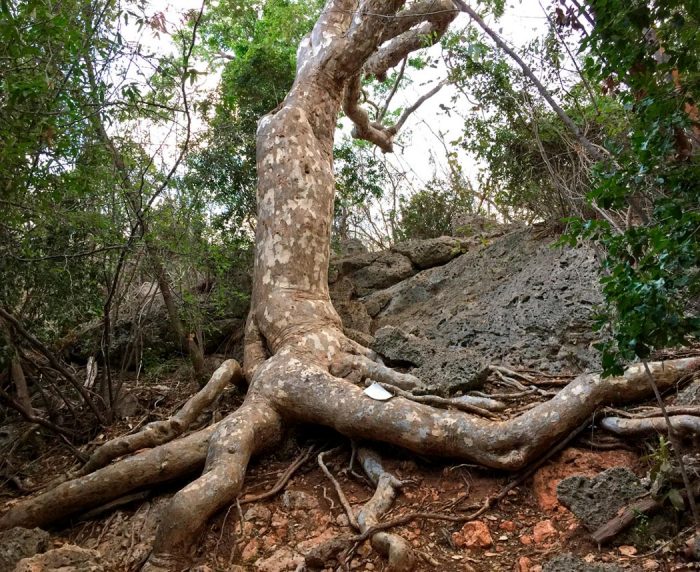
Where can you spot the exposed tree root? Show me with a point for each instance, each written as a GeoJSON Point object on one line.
{"type": "Point", "coordinates": [464, 403]}
{"type": "Point", "coordinates": [159, 465]}
{"type": "Point", "coordinates": [339, 491]}
{"type": "Point", "coordinates": [671, 410]}
{"type": "Point", "coordinates": [397, 550]}
{"type": "Point", "coordinates": [254, 427]}
{"type": "Point", "coordinates": [376, 371]}
{"type": "Point", "coordinates": [283, 480]}
{"type": "Point", "coordinates": [683, 425]}
{"type": "Point", "coordinates": [311, 395]}
{"type": "Point", "coordinates": [285, 386]}
{"type": "Point", "coordinates": [160, 432]}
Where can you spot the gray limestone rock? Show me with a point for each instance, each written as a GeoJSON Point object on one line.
{"type": "Point", "coordinates": [386, 269]}
{"type": "Point", "coordinates": [67, 558]}
{"type": "Point", "coordinates": [431, 252]}
{"type": "Point", "coordinates": [298, 500]}
{"type": "Point", "coordinates": [690, 395]}
{"type": "Point", "coordinates": [17, 543]}
{"type": "Point", "coordinates": [444, 371]}
{"type": "Point", "coordinates": [517, 300]}
{"type": "Point", "coordinates": [567, 562]}
{"type": "Point", "coordinates": [596, 500]}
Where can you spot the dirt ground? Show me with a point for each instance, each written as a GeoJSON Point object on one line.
{"type": "Point", "coordinates": [520, 533]}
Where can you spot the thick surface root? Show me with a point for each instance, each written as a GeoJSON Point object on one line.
{"type": "Point", "coordinates": [249, 430]}
{"type": "Point", "coordinates": [683, 425]}
{"type": "Point", "coordinates": [395, 548]}
{"type": "Point", "coordinates": [311, 395]}
{"type": "Point", "coordinates": [160, 432]}
{"type": "Point", "coordinates": [159, 465]}
{"type": "Point", "coordinates": [285, 387]}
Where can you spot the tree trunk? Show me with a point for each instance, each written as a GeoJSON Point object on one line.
{"type": "Point", "coordinates": [188, 341]}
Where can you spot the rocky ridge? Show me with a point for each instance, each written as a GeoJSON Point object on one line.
{"type": "Point", "coordinates": [448, 307]}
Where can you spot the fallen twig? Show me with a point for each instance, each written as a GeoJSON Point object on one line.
{"type": "Point", "coordinates": [339, 491]}
{"type": "Point", "coordinates": [629, 515]}
{"type": "Point", "coordinates": [282, 481]}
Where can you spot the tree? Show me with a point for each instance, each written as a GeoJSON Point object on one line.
{"type": "Point", "coordinates": [298, 361]}
{"type": "Point", "coordinates": [646, 57]}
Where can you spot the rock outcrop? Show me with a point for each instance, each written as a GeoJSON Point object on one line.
{"type": "Point", "coordinates": [596, 500]}
{"type": "Point", "coordinates": [448, 307]}
{"type": "Point", "coordinates": [18, 543]}
{"type": "Point", "coordinates": [67, 558]}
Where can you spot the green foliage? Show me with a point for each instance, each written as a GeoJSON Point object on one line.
{"type": "Point", "coordinates": [430, 212]}
{"type": "Point", "coordinates": [259, 41]}
{"type": "Point", "coordinates": [649, 53]}
{"type": "Point", "coordinates": [54, 184]}
{"type": "Point", "coordinates": [531, 165]}
{"type": "Point", "coordinates": [76, 204]}
{"type": "Point", "coordinates": [359, 177]}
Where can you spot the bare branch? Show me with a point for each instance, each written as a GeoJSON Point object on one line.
{"type": "Point", "coordinates": [420, 101]}
{"type": "Point", "coordinates": [417, 12]}
{"type": "Point", "coordinates": [401, 37]}
{"type": "Point", "coordinates": [375, 132]}
{"type": "Point", "coordinates": [19, 328]}
{"type": "Point", "coordinates": [399, 77]}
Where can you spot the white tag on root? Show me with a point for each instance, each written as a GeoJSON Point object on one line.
{"type": "Point", "coordinates": [377, 392]}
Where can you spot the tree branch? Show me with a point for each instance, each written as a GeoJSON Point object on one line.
{"type": "Point", "coordinates": [54, 362]}
{"type": "Point", "coordinates": [395, 87]}
{"type": "Point", "coordinates": [592, 149]}
{"type": "Point", "coordinates": [425, 35]}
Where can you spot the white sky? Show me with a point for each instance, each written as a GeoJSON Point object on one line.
{"type": "Point", "coordinates": [522, 22]}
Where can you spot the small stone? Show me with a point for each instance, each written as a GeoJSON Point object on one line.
{"type": "Point", "coordinates": [258, 513]}
{"type": "Point", "coordinates": [526, 539]}
{"type": "Point", "coordinates": [692, 548]}
{"type": "Point", "coordinates": [280, 561]}
{"type": "Point", "coordinates": [250, 551]}
{"type": "Point", "coordinates": [279, 520]}
{"type": "Point", "coordinates": [365, 549]}
{"type": "Point", "coordinates": [651, 565]}
{"type": "Point", "coordinates": [298, 500]}
{"type": "Point", "coordinates": [342, 520]}
{"type": "Point", "coordinates": [270, 542]}
{"type": "Point", "coordinates": [544, 531]}
{"type": "Point", "coordinates": [67, 557]}
{"type": "Point", "coordinates": [507, 525]}
{"type": "Point", "coordinates": [473, 534]}
{"type": "Point", "coordinates": [627, 550]}
{"type": "Point", "coordinates": [311, 544]}
{"type": "Point", "coordinates": [17, 543]}
{"type": "Point", "coordinates": [524, 564]}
